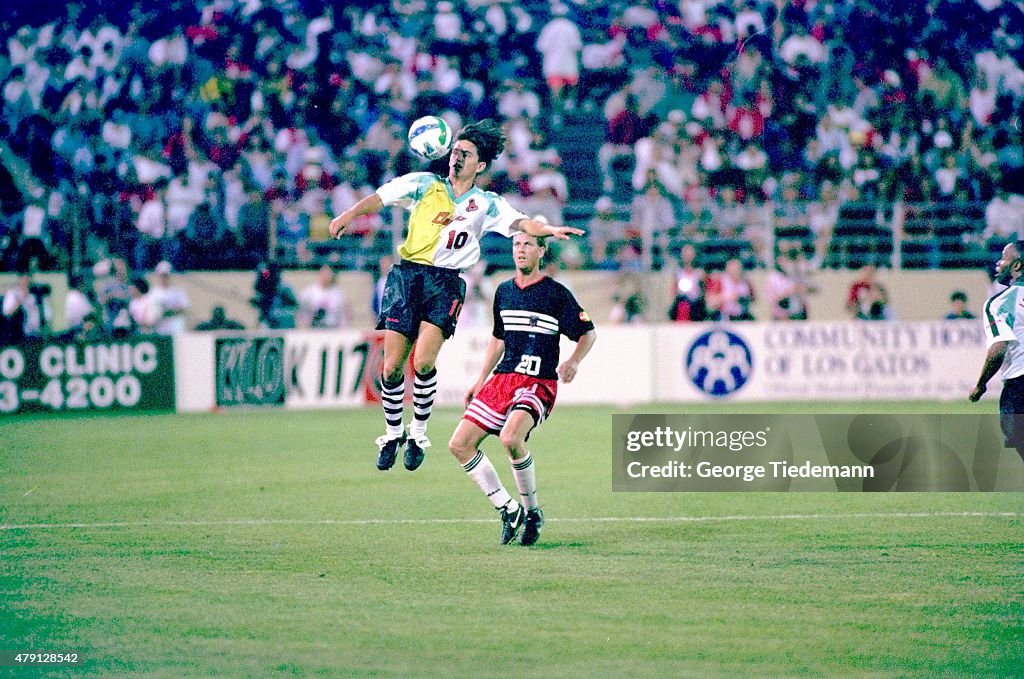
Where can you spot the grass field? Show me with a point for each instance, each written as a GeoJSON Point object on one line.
{"type": "Point", "coordinates": [266, 543]}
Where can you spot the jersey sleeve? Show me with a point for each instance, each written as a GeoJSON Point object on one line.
{"type": "Point", "coordinates": [1000, 318]}
{"type": "Point", "coordinates": [574, 322]}
{"type": "Point", "coordinates": [404, 191]}
{"type": "Point", "coordinates": [499, 324]}
{"type": "Point", "coordinates": [500, 216]}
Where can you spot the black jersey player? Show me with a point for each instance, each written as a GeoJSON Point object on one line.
{"type": "Point", "coordinates": [531, 312]}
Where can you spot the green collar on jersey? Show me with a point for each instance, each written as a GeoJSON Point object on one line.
{"type": "Point", "coordinates": [473, 190]}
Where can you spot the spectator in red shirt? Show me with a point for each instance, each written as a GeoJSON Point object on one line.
{"type": "Point", "coordinates": [624, 129]}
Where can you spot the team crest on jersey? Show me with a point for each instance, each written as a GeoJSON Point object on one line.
{"type": "Point", "coordinates": [444, 218]}
{"type": "Point", "coordinates": [471, 206]}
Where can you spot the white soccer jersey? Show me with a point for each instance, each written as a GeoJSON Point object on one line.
{"type": "Point", "coordinates": [1004, 323]}
{"type": "Point", "coordinates": [445, 231]}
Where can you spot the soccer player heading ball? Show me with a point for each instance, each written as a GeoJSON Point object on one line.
{"type": "Point", "coordinates": [531, 311]}
{"type": "Point", "coordinates": [423, 293]}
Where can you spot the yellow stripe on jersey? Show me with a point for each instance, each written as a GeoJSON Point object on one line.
{"type": "Point", "coordinates": [432, 214]}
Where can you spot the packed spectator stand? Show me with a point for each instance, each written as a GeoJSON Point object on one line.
{"type": "Point", "coordinates": [220, 134]}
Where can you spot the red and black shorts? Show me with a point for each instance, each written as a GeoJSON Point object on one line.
{"type": "Point", "coordinates": [506, 392]}
{"type": "Point", "coordinates": [414, 293]}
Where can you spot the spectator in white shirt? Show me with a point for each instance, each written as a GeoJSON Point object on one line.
{"type": "Point", "coordinates": [1000, 69]}
{"type": "Point", "coordinates": [803, 44]}
{"type": "Point", "coordinates": [171, 50]}
{"type": "Point", "coordinates": [560, 44]}
{"type": "Point", "coordinates": [515, 101]}
{"type": "Point", "coordinates": [24, 309]}
{"type": "Point", "coordinates": [549, 190]}
{"type": "Point", "coordinates": [141, 307]}
{"type": "Point", "coordinates": [322, 304]}
{"type": "Point", "coordinates": [749, 21]}
{"type": "Point", "coordinates": [76, 303]}
{"type": "Point", "coordinates": [183, 196]}
{"type": "Point", "coordinates": [34, 236]}
{"type": "Point", "coordinates": [151, 223]}
{"type": "Point", "coordinates": [982, 100]}
{"type": "Point", "coordinates": [171, 303]}
{"type": "Point", "coordinates": [732, 295]}
{"type": "Point", "coordinates": [1004, 218]}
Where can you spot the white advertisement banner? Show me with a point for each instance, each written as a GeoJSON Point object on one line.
{"type": "Point", "coordinates": [332, 368]}
{"type": "Point", "coordinates": [805, 361]}
{"type": "Point", "coordinates": [818, 361]}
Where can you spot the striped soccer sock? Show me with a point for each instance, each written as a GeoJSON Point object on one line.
{"type": "Point", "coordinates": [423, 389]}
{"type": "Point", "coordinates": [526, 480]}
{"type": "Point", "coordinates": [485, 476]}
{"type": "Point", "coordinates": [392, 394]}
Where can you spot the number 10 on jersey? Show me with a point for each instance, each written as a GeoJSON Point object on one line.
{"type": "Point", "coordinates": [457, 239]}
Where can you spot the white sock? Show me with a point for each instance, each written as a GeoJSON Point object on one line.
{"type": "Point", "coordinates": [526, 480]}
{"type": "Point", "coordinates": [485, 476]}
{"type": "Point", "coordinates": [417, 428]}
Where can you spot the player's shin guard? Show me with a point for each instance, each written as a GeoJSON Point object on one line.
{"type": "Point", "coordinates": [485, 476]}
{"type": "Point", "coordinates": [392, 394]}
{"type": "Point", "coordinates": [526, 480]}
{"type": "Point", "coordinates": [423, 390]}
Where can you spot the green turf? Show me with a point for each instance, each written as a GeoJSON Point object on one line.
{"type": "Point", "coordinates": [246, 544]}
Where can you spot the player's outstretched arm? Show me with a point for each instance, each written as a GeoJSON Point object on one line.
{"type": "Point", "coordinates": [534, 227]}
{"type": "Point", "coordinates": [993, 361]}
{"type": "Point", "coordinates": [567, 371]}
{"type": "Point", "coordinates": [372, 204]}
{"type": "Point", "coordinates": [493, 353]}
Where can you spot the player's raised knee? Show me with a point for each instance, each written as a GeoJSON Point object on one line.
{"type": "Point", "coordinates": [461, 447]}
{"type": "Point", "coordinates": [392, 371]}
{"type": "Point", "coordinates": [512, 440]}
{"type": "Point", "coordinates": [422, 367]}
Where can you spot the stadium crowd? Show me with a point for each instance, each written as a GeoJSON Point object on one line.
{"type": "Point", "coordinates": [209, 133]}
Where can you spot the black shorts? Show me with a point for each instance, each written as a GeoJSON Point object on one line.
{"type": "Point", "coordinates": [414, 293]}
{"type": "Point", "coordinates": [1011, 412]}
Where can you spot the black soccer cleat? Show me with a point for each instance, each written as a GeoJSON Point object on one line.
{"type": "Point", "coordinates": [414, 451]}
{"type": "Point", "coordinates": [388, 448]}
{"type": "Point", "coordinates": [511, 522]}
{"type": "Point", "coordinates": [531, 526]}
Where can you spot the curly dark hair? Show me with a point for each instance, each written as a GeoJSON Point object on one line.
{"type": "Point", "coordinates": [487, 136]}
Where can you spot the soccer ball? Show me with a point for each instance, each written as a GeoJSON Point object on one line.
{"type": "Point", "coordinates": [430, 138]}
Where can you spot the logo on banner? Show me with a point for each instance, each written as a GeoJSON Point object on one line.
{"type": "Point", "coordinates": [250, 371]}
{"type": "Point", "coordinates": [718, 363]}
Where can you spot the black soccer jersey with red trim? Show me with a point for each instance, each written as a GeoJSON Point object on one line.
{"type": "Point", "coordinates": [530, 321]}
